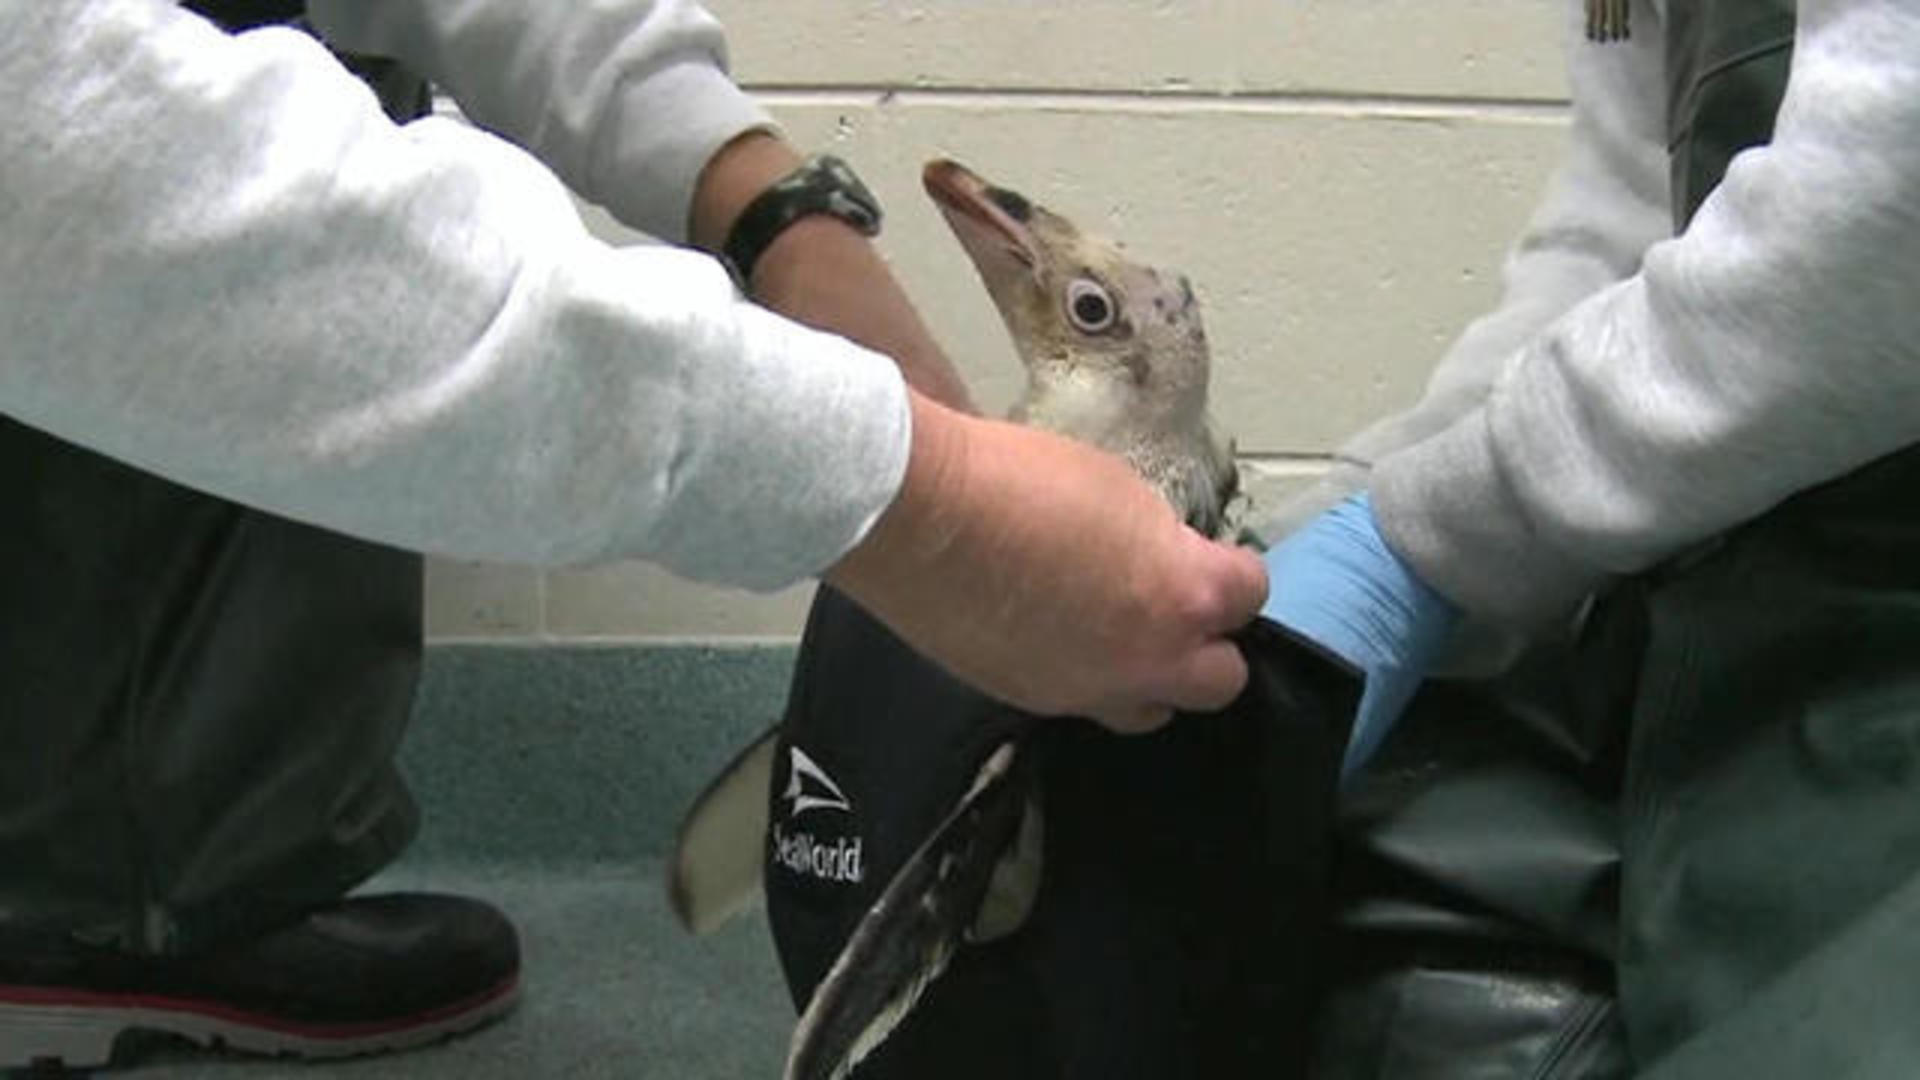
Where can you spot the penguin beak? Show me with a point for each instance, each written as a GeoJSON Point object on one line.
{"type": "Point", "coordinates": [990, 222]}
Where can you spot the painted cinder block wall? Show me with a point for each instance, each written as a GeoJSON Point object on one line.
{"type": "Point", "coordinates": [1340, 179]}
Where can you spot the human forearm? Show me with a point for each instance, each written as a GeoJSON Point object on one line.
{"type": "Point", "coordinates": [1604, 207]}
{"type": "Point", "coordinates": [1768, 349]}
{"type": "Point", "coordinates": [820, 270]}
{"type": "Point", "coordinates": [631, 104]}
{"type": "Point", "coordinates": [226, 266]}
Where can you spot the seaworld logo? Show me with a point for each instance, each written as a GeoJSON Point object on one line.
{"type": "Point", "coordinates": [810, 790]}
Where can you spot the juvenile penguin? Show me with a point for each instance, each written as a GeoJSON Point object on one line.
{"type": "Point", "coordinates": [1115, 352]}
{"type": "Point", "coordinates": [1115, 356]}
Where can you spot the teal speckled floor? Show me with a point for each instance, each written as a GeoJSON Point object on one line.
{"type": "Point", "coordinates": [551, 781]}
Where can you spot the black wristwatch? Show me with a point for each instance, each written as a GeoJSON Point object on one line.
{"type": "Point", "coordinates": [823, 184]}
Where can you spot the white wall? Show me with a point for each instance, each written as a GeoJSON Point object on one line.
{"type": "Point", "coordinates": [1338, 177]}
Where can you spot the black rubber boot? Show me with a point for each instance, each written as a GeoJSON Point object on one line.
{"type": "Point", "coordinates": [368, 974]}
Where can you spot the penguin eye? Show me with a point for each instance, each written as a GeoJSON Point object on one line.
{"type": "Point", "coordinates": [1089, 306]}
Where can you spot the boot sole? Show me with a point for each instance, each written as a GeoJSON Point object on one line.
{"type": "Point", "coordinates": [76, 1029]}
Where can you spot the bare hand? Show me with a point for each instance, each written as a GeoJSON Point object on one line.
{"type": "Point", "coordinates": [1049, 575]}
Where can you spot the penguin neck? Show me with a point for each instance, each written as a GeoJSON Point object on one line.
{"type": "Point", "coordinates": [1094, 406]}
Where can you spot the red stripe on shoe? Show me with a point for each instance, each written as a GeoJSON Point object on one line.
{"type": "Point", "coordinates": [56, 997]}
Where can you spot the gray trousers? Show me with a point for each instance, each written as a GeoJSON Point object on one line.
{"type": "Point", "coordinates": [199, 705]}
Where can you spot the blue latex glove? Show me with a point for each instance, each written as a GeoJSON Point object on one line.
{"type": "Point", "coordinates": [1336, 583]}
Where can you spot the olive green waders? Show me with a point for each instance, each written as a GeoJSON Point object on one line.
{"type": "Point", "coordinates": [1686, 845]}
{"type": "Point", "coordinates": [199, 703]}
{"type": "Point", "coordinates": [1770, 819]}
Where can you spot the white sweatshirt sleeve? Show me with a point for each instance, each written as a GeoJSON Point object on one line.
{"type": "Point", "coordinates": [1774, 346]}
{"type": "Point", "coordinates": [219, 262]}
{"type": "Point", "coordinates": [625, 100]}
{"type": "Point", "coordinates": [1607, 203]}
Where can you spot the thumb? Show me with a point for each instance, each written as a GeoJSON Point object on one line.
{"type": "Point", "coordinates": [1208, 678]}
{"type": "Point", "coordinates": [1138, 720]}
{"type": "Point", "coordinates": [1243, 586]}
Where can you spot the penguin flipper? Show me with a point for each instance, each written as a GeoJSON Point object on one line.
{"type": "Point", "coordinates": [907, 937]}
{"type": "Point", "coordinates": [719, 854]}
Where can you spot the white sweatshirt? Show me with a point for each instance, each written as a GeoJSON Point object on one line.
{"type": "Point", "coordinates": [1635, 393]}
{"type": "Point", "coordinates": [220, 262]}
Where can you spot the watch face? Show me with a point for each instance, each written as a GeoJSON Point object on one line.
{"type": "Point", "coordinates": [823, 184]}
{"type": "Point", "coordinates": [846, 197]}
